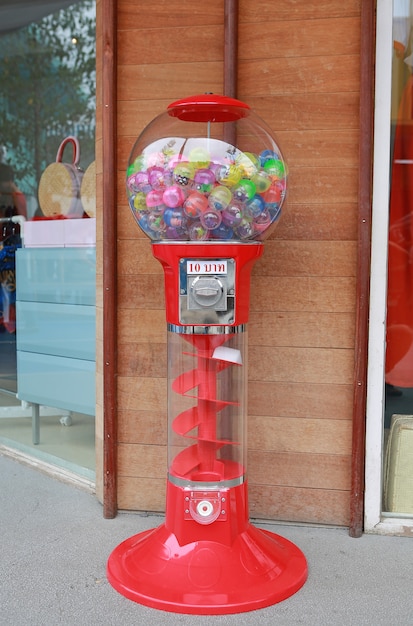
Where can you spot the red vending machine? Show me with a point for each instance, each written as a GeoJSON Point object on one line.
{"type": "Point", "coordinates": [206, 182]}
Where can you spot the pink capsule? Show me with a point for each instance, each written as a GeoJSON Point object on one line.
{"type": "Point", "coordinates": [154, 198]}
{"type": "Point", "coordinates": [173, 196]}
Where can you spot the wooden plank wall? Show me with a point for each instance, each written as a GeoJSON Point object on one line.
{"type": "Point", "coordinates": [299, 69]}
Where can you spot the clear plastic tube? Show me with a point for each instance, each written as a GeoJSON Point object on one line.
{"type": "Point", "coordinates": [207, 405]}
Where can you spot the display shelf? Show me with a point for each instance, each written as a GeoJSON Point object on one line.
{"type": "Point", "coordinates": [55, 317]}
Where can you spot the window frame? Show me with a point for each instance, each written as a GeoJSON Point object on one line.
{"type": "Point", "coordinates": [375, 521]}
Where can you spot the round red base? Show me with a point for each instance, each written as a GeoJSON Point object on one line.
{"type": "Point", "coordinates": [259, 569]}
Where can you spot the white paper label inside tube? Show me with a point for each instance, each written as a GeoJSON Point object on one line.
{"type": "Point", "coordinates": [227, 354]}
{"type": "Point", "coordinates": [206, 266]}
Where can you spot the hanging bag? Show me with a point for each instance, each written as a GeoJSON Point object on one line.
{"type": "Point", "coordinates": [59, 186]}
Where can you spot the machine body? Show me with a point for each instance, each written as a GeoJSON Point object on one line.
{"type": "Point", "coordinates": [207, 558]}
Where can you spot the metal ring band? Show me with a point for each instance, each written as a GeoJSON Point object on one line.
{"type": "Point", "coordinates": [206, 486]}
{"type": "Point", "coordinates": [206, 330]}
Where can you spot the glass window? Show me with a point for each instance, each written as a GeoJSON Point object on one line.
{"type": "Point", "coordinates": [398, 422]}
{"type": "Point", "coordinates": [47, 236]}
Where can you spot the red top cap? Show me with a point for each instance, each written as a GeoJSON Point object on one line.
{"type": "Point", "coordinates": [208, 108]}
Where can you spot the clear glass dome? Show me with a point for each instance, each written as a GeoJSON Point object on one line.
{"type": "Point", "coordinates": [207, 169]}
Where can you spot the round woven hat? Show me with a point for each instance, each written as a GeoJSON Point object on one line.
{"type": "Point", "coordinates": [88, 190]}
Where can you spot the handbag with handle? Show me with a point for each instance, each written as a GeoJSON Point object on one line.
{"type": "Point", "coordinates": [59, 186]}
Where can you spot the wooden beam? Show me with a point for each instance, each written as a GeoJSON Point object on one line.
{"type": "Point", "coordinates": [367, 60]}
{"type": "Point", "coordinates": [109, 10]}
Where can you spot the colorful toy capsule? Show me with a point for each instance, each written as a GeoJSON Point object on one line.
{"type": "Point", "coordinates": [156, 159]}
{"type": "Point", "coordinates": [154, 198]}
{"type": "Point", "coordinates": [274, 210]}
{"type": "Point", "coordinates": [211, 219]}
{"type": "Point", "coordinates": [143, 223]}
{"type": "Point", "coordinates": [244, 191]}
{"type": "Point", "coordinates": [197, 232]}
{"type": "Point", "coordinates": [137, 165]}
{"type": "Point", "coordinates": [275, 168]}
{"type": "Point", "coordinates": [250, 162]}
{"type": "Point", "coordinates": [232, 215]}
{"type": "Point", "coordinates": [183, 174]}
{"type": "Point", "coordinates": [262, 181]}
{"type": "Point", "coordinates": [156, 222]}
{"type": "Point", "coordinates": [177, 234]}
{"type": "Point", "coordinates": [139, 202]}
{"type": "Point", "coordinates": [262, 221]}
{"type": "Point", "coordinates": [199, 157]}
{"type": "Point", "coordinates": [245, 230]}
{"type": "Point", "coordinates": [267, 155]}
{"type": "Point", "coordinates": [219, 198]}
{"type": "Point", "coordinates": [195, 204]}
{"type": "Point", "coordinates": [141, 182]}
{"type": "Point", "coordinates": [255, 206]}
{"type": "Point", "coordinates": [174, 218]}
{"type": "Point", "coordinates": [228, 175]}
{"type": "Point", "coordinates": [173, 196]}
{"type": "Point", "coordinates": [157, 178]}
{"type": "Point", "coordinates": [204, 180]}
{"type": "Point", "coordinates": [223, 232]}
{"type": "Point", "coordinates": [130, 184]}
{"type": "Point", "coordinates": [176, 159]}
{"type": "Point", "coordinates": [273, 194]}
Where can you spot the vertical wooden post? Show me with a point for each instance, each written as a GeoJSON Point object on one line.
{"type": "Point", "coordinates": [109, 8]}
{"type": "Point", "coordinates": [367, 57]}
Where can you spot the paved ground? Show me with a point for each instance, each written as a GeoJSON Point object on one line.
{"type": "Point", "coordinates": [55, 544]}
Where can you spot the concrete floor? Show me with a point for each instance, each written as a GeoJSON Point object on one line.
{"type": "Point", "coordinates": [55, 546]}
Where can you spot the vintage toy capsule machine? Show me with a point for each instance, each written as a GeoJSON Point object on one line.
{"type": "Point", "coordinates": [206, 182]}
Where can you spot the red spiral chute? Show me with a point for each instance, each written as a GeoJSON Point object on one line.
{"type": "Point", "coordinates": [200, 461]}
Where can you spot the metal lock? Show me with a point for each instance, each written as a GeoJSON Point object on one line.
{"type": "Point", "coordinates": [205, 507]}
{"type": "Point", "coordinates": [207, 292]}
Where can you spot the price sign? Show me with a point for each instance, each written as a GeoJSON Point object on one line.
{"type": "Point", "coordinates": [206, 266]}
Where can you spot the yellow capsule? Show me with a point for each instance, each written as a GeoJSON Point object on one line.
{"type": "Point", "coordinates": [139, 203]}
{"type": "Point", "coordinates": [229, 175]}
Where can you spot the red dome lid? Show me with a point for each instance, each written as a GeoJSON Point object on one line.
{"type": "Point", "coordinates": [208, 108]}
